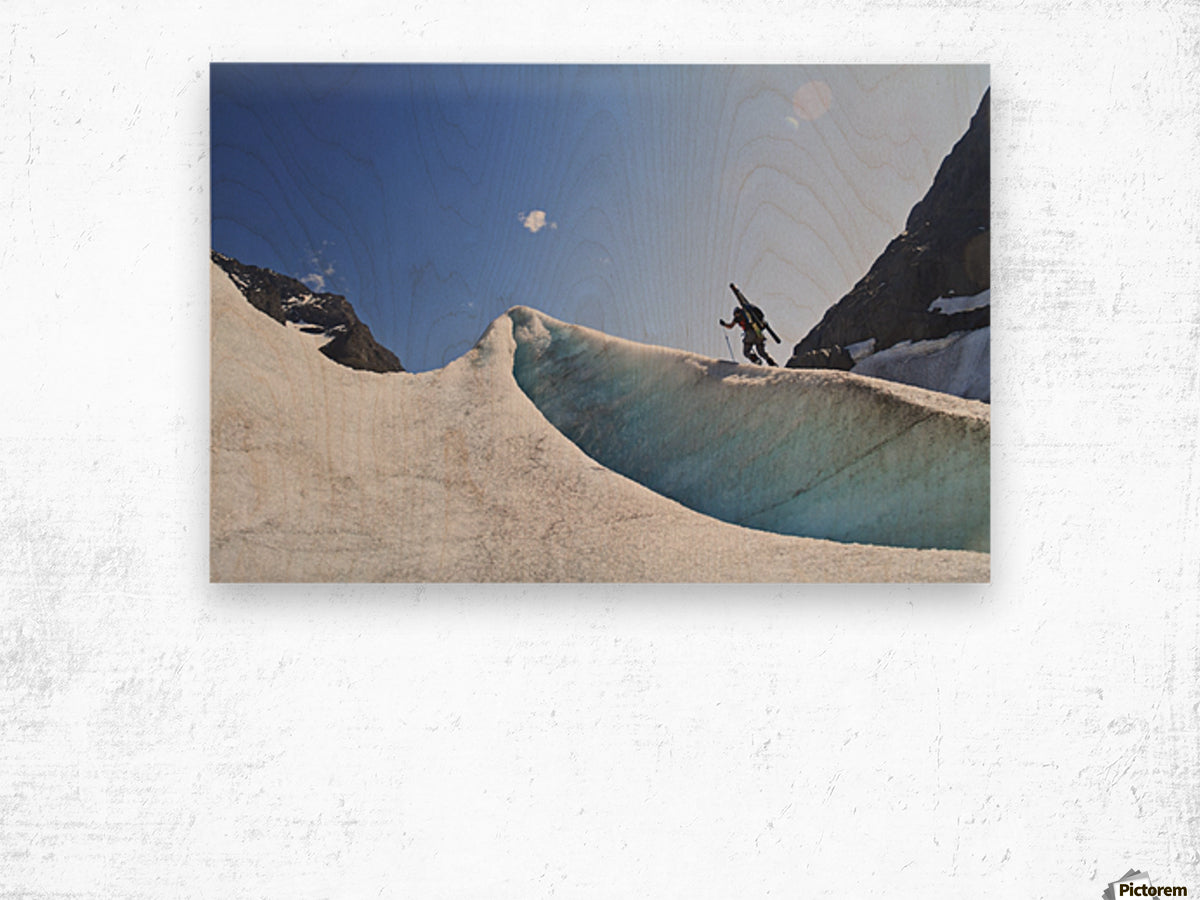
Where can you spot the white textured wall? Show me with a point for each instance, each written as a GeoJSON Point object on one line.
{"type": "Point", "coordinates": [160, 737]}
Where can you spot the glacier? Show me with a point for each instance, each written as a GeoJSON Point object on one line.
{"type": "Point", "coordinates": [323, 473]}
{"type": "Point", "coordinates": [812, 453]}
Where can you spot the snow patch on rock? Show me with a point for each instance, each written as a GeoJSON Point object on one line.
{"type": "Point", "coordinates": [861, 349]}
{"type": "Point", "coordinates": [949, 305]}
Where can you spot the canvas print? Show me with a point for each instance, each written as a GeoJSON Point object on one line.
{"type": "Point", "coordinates": [612, 323]}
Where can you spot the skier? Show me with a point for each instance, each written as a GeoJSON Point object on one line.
{"type": "Point", "coordinates": [752, 331]}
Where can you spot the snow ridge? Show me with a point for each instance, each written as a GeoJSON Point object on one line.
{"type": "Point", "coordinates": [813, 453]}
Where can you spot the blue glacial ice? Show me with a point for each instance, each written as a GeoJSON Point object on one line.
{"type": "Point", "coordinates": [814, 453]}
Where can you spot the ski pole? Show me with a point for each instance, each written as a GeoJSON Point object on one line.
{"type": "Point", "coordinates": [730, 346]}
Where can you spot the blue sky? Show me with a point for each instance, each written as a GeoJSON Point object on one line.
{"type": "Point", "coordinates": [624, 198]}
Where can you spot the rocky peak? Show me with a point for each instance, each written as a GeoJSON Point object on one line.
{"type": "Point", "coordinates": [287, 299]}
{"type": "Point", "coordinates": [944, 251]}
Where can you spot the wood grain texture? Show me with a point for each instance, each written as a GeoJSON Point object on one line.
{"type": "Point", "coordinates": [163, 737]}
{"type": "Point", "coordinates": [622, 198]}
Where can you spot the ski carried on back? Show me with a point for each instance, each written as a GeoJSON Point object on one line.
{"type": "Point", "coordinates": [755, 314]}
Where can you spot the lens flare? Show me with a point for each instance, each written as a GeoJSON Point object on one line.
{"type": "Point", "coordinates": [811, 100]}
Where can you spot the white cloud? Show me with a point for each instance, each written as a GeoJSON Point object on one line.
{"type": "Point", "coordinates": [321, 268]}
{"type": "Point", "coordinates": [535, 221]}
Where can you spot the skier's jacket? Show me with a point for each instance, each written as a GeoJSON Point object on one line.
{"type": "Point", "coordinates": [752, 331]}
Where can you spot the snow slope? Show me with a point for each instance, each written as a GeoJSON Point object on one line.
{"type": "Point", "coordinates": [959, 364]}
{"type": "Point", "coordinates": [323, 473]}
{"type": "Point", "coordinates": [818, 453]}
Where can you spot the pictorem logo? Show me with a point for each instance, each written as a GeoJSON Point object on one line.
{"type": "Point", "coordinates": [1137, 884]}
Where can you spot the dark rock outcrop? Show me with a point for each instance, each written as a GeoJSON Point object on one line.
{"type": "Point", "coordinates": [834, 357]}
{"type": "Point", "coordinates": [944, 251]}
{"type": "Point", "coordinates": [287, 299]}
{"type": "Point", "coordinates": [357, 348]}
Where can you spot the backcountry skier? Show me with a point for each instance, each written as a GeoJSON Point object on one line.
{"type": "Point", "coordinates": [752, 323]}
